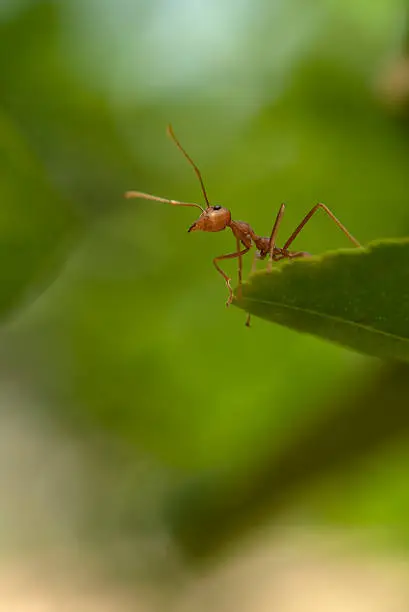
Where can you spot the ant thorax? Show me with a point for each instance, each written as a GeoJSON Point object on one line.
{"type": "Point", "coordinates": [245, 233]}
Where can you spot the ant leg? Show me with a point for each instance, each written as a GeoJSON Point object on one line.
{"type": "Point", "coordinates": [226, 278]}
{"type": "Point", "coordinates": [297, 254]}
{"type": "Point", "coordinates": [254, 263]}
{"type": "Point", "coordinates": [252, 271]}
{"type": "Point", "coordinates": [240, 268]}
{"type": "Point", "coordinates": [274, 231]}
{"type": "Point", "coordinates": [308, 217]}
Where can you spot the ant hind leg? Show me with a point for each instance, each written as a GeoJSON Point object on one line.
{"type": "Point", "coordinates": [308, 217]}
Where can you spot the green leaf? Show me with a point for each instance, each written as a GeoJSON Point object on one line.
{"type": "Point", "coordinates": [358, 298]}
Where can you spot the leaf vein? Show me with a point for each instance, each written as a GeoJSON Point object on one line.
{"type": "Point", "coordinates": [329, 317]}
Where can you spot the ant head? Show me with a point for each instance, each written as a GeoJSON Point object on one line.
{"type": "Point", "coordinates": [212, 219]}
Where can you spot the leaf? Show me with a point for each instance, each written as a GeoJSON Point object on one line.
{"type": "Point", "coordinates": [358, 298]}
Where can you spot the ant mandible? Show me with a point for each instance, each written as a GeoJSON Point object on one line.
{"type": "Point", "coordinates": [217, 218]}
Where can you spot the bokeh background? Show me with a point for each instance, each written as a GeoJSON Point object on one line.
{"type": "Point", "coordinates": [149, 440]}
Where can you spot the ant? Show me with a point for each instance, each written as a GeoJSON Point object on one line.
{"type": "Point", "coordinates": [217, 218]}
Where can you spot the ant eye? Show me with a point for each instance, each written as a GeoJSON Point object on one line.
{"type": "Point", "coordinates": [216, 207]}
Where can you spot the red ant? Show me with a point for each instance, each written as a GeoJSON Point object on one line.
{"type": "Point", "coordinates": [217, 218]}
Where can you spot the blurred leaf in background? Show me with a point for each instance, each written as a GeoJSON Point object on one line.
{"type": "Point", "coordinates": [128, 351]}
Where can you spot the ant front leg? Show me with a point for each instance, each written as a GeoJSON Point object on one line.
{"type": "Point", "coordinates": [227, 278]}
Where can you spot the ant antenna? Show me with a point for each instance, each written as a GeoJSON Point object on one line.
{"type": "Point", "coordinates": [148, 196]}
{"type": "Point", "coordinates": [191, 162]}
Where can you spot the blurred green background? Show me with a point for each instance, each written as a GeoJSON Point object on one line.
{"type": "Point", "coordinates": [140, 416]}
